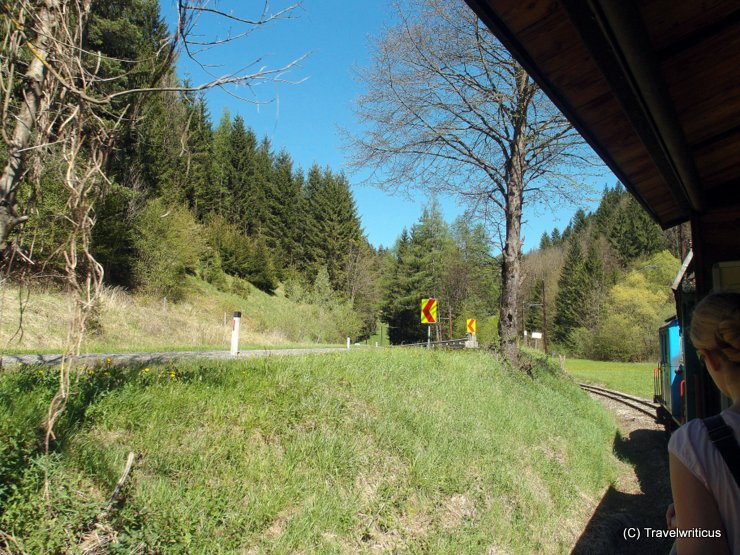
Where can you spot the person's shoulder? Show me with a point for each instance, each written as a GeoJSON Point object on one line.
{"type": "Point", "coordinates": [731, 417]}
{"type": "Point", "coordinates": [689, 433]}
{"type": "Point", "coordinates": [690, 445]}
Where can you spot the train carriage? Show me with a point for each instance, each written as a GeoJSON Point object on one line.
{"type": "Point", "coordinates": [669, 380]}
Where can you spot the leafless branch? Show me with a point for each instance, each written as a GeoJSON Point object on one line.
{"type": "Point", "coordinates": [448, 109]}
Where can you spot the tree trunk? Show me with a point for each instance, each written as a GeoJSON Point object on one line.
{"type": "Point", "coordinates": [511, 267]}
{"type": "Point", "coordinates": [511, 272]}
{"type": "Point", "coordinates": [26, 120]}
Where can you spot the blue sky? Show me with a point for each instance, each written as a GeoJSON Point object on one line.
{"type": "Point", "coordinates": [304, 118]}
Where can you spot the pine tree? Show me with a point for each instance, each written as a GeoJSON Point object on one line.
{"type": "Point", "coordinates": [199, 187]}
{"type": "Point", "coordinates": [545, 242]}
{"type": "Point", "coordinates": [288, 207]}
{"type": "Point", "coordinates": [417, 274]}
{"type": "Point", "coordinates": [579, 222]}
{"type": "Point", "coordinates": [571, 290]}
{"type": "Point", "coordinates": [261, 196]}
{"type": "Point", "coordinates": [260, 270]}
{"type": "Point", "coordinates": [595, 287]}
{"type": "Point", "coordinates": [402, 304]}
{"type": "Point", "coordinates": [333, 227]}
{"type": "Point", "coordinates": [608, 206]}
{"type": "Point", "coordinates": [242, 145]}
{"type": "Point", "coordinates": [535, 315]}
{"type": "Point", "coordinates": [482, 270]}
{"type": "Point", "coordinates": [159, 141]}
{"type": "Point", "coordinates": [123, 30]}
{"type": "Point", "coordinates": [316, 206]}
{"type": "Point", "coordinates": [633, 234]}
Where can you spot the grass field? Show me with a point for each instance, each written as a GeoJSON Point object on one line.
{"type": "Point", "coordinates": [635, 378]}
{"type": "Point", "coordinates": [374, 450]}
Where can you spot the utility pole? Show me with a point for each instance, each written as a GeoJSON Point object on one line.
{"type": "Point", "coordinates": [544, 318]}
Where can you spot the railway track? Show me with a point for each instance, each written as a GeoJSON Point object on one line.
{"type": "Point", "coordinates": [641, 405]}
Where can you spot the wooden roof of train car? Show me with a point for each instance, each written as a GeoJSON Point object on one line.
{"type": "Point", "coordinates": [653, 86]}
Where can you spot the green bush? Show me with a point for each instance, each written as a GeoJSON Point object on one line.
{"type": "Point", "coordinates": [488, 331]}
{"type": "Point", "coordinates": [168, 246]}
{"type": "Point", "coordinates": [635, 308]}
{"type": "Point", "coordinates": [240, 255]}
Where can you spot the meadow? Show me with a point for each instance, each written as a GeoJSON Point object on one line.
{"type": "Point", "coordinates": [635, 378]}
{"type": "Point", "coordinates": [377, 449]}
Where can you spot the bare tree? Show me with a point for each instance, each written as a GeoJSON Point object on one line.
{"type": "Point", "coordinates": [448, 109]}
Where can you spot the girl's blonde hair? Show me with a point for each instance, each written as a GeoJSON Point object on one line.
{"type": "Point", "coordinates": [715, 325]}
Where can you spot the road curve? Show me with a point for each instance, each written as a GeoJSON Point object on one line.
{"type": "Point", "coordinates": [151, 358]}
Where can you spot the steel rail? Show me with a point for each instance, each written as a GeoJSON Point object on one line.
{"type": "Point", "coordinates": [641, 405]}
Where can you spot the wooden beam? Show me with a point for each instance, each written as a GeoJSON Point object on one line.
{"type": "Point", "coordinates": [615, 35]}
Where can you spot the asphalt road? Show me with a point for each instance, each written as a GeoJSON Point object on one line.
{"type": "Point", "coordinates": [148, 358]}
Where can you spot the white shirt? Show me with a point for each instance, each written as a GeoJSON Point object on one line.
{"type": "Point", "coordinates": [693, 447]}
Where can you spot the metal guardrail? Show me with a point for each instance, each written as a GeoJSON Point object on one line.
{"type": "Point", "coordinates": [446, 344]}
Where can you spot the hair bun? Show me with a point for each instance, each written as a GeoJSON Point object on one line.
{"type": "Point", "coordinates": [728, 331]}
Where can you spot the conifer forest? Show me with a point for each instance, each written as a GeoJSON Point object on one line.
{"type": "Point", "coordinates": [175, 191]}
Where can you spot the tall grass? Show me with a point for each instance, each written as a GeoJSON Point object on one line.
{"type": "Point", "coordinates": [373, 450]}
{"type": "Point", "coordinates": [126, 322]}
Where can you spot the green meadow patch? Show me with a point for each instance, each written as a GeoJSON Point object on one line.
{"type": "Point", "coordinates": [635, 378]}
{"type": "Point", "coordinates": [356, 452]}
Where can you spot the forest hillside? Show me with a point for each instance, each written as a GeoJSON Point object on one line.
{"type": "Point", "coordinates": [600, 288]}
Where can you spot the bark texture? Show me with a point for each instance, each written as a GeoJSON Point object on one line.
{"type": "Point", "coordinates": [46, 24]}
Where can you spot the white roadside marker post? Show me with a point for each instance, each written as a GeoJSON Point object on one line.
{"type": "Point", "coordinates": [348, 343]}
{"type": "Point", "coordinates": [235, 333]}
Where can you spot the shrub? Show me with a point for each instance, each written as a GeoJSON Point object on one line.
{"type": "Point", "coordinates": [168, 246]}
{"type": "Point", "coordinates": [240, 255]}
{"type": "Point", "coordinates": [488, 331]}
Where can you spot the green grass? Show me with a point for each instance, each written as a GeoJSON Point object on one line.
{"type": "Point", "coordinates": [635, 378]}
{"type": "Point", "coordinates": [414, 451]}
{"type": "Point", "coordinates": [125, 322]}
{"type": "Point", "coordinates": [181, 348]}
{"type": "Point", "coordinates": [380, 336]}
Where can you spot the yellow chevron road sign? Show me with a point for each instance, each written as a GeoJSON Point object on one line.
{"type": "Point", "coordinates": [429, 311]}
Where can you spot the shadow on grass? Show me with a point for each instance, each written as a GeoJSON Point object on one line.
{"type": "Point", "coordinates": [618, 512]}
